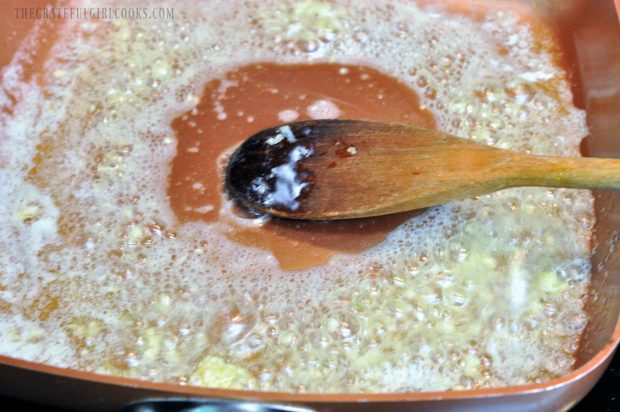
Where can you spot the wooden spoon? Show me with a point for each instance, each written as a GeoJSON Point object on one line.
{"type": "Point", "coordinates": [340, 169]}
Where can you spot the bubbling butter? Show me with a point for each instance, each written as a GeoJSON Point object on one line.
{"type": "Point", "coordinates": [97, 273]}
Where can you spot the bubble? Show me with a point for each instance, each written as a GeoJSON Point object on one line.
{"type": "Point", "coordinates": [361, 37]}
{"type": "Point", "coordinates": [323, 109]}
{"type": "Point", "coordinates": [230, 324]}
{"type": "Point", "coordinates": [287, 116]}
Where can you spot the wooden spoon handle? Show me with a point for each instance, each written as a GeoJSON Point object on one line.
{"type": "Point", "coordinates": [573, 172]}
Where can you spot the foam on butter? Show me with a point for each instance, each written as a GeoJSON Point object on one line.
{"type": "Point", "coordinates": [478, 293]}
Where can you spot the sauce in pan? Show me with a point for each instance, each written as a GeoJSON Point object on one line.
{"type": "Point", "coordinates": [120, 255]}
{"type": "Point", "coordinates": [258, 96]}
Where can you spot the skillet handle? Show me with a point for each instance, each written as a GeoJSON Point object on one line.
{"type": "Point", "coordinates": [207, 405]}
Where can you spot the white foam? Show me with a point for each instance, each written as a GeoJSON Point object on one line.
{"type": "Point", "coordinates": [288, 115]}
{"type": "Point", "coordinates": [323, 109]}
{"type": "Point", "coordinates": [288, 186]}
{"type": "Point", "coordinates": [98, 251]}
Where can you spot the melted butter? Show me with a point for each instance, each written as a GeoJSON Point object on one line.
{"type": "Point", "coordinates": [255, 97]}
{"type": "Point", "coordinates": [99, 273]}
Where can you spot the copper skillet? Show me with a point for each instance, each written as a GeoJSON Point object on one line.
{"type": "Point", "coordinates": [591, 32]}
